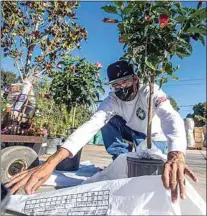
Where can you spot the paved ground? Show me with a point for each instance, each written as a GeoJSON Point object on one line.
{"type": "Point", "coordinates": [196, 160]}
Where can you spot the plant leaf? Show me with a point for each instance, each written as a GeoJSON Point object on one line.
{"type": "Point", "coordinates": [110, 9]}
{"type": "Point", "coordinates": [100, 89]}
{"type": "Point", "coordinates": [180, 19]}
{"type": "Point", "coordinates": [163, 11]}
{"type": "Point", "coordinates": [162, 81]}
{"type": "Point", "coordinates": [196, 30]}
{"type": "Point", "coordinates": [127, 10]}
{"type": "Point", "coordinates": [201, 38]}
{"type": "Point", "coordinates": [174, 77]}
{"type": "Point", "coordinates": [200, 13]}
{"type": "Point", "coordinates": [180, 55]}
{"type": "Point", "coordinates": [118, 3]}
{"type": "Point", "coordinates": [177, 4]}
{"type": "Point", "coordinates": [149, 64]}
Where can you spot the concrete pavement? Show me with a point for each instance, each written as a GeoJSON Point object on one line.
{"type": "Point", "coordinates": [196, 160]}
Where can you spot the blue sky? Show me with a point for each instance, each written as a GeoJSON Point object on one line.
{"type": "Point", "coordinates": [103, 47]}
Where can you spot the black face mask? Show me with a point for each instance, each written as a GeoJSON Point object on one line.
{"type": "Point", "coordinates": [125, 94]}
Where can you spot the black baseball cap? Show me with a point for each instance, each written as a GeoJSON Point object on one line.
{"type": "Point", "coordinates": [118, 71]}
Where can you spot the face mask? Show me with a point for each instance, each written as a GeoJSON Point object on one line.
{"type": "Point", "coordinates": [125, 94]}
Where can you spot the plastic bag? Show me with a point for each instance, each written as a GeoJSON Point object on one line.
{"type": "Point", "coordinates": [153, 153]}
{"type": "Point", "coordinates": [133, 196]}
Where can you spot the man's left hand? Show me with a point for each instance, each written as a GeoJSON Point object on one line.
{"type": "Point", "coordinates": [174, 175]}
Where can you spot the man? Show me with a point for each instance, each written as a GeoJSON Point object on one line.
{"type": "Point", "coordinates": [122, 115]}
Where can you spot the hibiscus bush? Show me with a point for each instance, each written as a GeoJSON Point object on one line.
{"type": "Point", "coordinates": [153, 33]}
{"type": "Point", "coordinates": [77, 84]}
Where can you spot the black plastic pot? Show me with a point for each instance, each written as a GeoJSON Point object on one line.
{"type": "Point", "coordinates": [69, 164]}
{"type": "Point", "coordinates": [140, 167]}
{"type": "Point", "coordinates": [71, 130]}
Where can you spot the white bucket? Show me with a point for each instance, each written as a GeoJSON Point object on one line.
{"type": "Point", "coordinates": [190, 139]}
{"type": "Point", "coordinates": [189, 124]}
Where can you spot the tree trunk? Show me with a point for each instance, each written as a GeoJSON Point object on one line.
{"type": "Point", "coordinates": [149, 123]}
{"type": "Point", "coordinates": [28, 59]}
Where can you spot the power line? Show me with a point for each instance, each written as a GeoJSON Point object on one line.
{"type": "Point", "coordinates": [186, 80]}
{"type": "Point", "coordinates": [192, 84]}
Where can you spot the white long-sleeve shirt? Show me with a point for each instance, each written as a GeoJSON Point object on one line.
{"type": "Point", "coordinates": [135, 113]}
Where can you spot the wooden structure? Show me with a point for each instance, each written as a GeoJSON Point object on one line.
{"type": "Point", "coordinates": [36, 140]}
{"type": "Point", "coordinates": [199, 138]}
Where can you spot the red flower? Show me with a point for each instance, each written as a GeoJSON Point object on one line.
{"type": "Point", "coordinates": [163, 20]}
{"type": "Point", "coordinates": [107, 20]}
{"type": "Point", "coordinates": [200, 4]}
{"type": "Point", "coordinates": [121, 40]}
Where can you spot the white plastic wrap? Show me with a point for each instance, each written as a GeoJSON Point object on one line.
{"type": "Point", "coordinates": [72, 178]}
{"type": "Point", "coordinates": [133, 196]}
{"type": "Point", "coordinates": [153, 153]}
{"type": "Point", "coordinates": [27, 85]}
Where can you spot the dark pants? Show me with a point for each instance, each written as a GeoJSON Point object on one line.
{"type": "Point", "coordinates": [115, 131]}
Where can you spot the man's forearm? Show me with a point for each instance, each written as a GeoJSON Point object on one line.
{"type": "Point", "coordinates": [59, 156]}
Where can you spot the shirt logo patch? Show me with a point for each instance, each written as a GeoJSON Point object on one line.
{"type": "Point", "coordinates": [160, 100]}
{"type": "Point", "coordinates": [141, 113]}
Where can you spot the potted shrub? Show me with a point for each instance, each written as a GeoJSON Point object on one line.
{"type": "Point", "coordinates": [32, 37]}
{"type": "Point", "coordinates": [77, 85]}
{"type": "Point", "coordinates": [153, 33]}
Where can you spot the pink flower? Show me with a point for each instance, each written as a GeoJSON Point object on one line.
{"type": "Point", "coordinates": [99, 65]}
{"type": "Point", "coordinates": [59, 66]}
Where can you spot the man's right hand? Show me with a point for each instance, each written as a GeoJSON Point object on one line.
{"type": "Point", "coordinates": [33, 178]}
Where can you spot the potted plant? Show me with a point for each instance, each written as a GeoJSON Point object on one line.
{"type": "Point", "coordinates": [32, 37]}
{"type": "Point", "coordinates": [77, 85]}
{"type": "Point", "coordinates": [153, 33]}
